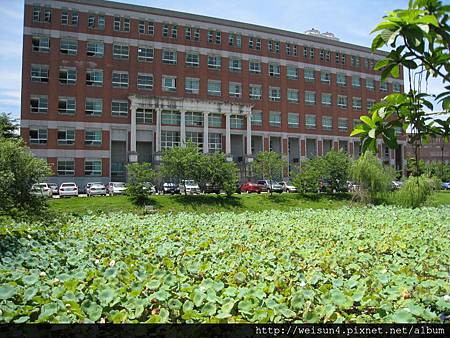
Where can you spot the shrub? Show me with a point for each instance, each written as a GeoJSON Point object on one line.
{"type": "Point", "coordinates": [415, 191]}
{"type": "Point", "coordinates": [139, 176]}
{"type": "Point", "coordinates": [374, 180]}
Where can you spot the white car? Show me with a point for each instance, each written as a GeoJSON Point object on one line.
{"type": "Point", "coordinates": [288, 187]}
{"type": "Point", "coordinates": [54, 188]}
{"type": "Point", "coordinates": [96, 189]}
{"type": "Point", "coordinates": [116, 188]}
{"type": "Point", "coordinates": [68, 189]}
{"type": "Point", "coordinates": [41, 189]}
{"type": "Point", "coordinates": [88, 186]}
{"type": "Point", "coordinates": [189, 187]}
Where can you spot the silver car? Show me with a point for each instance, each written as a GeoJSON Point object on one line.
{"type": "Point", "coordinates": [68, 189]}
{"type": "Point", "coordinates": [41, 189]}
{"type": "Point", "coordinates": [96, 189]}
{"type": "Point", "coordinates": [116, 188]}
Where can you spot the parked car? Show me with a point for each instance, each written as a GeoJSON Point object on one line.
{"type": "Point", "coordinates": [41, 189]}
{"type": "Point", "coordinates": [88, 186]}
{"type": "Point", "coordinates": [150, 187]}
{"type": "Point", "coordinates": [96, 189]}
{"type": "Point", "coordinates": [116, 188]}
{"type": "Point", "coordinates": [250, 187]}
{"type": "Point", "coordinates": [287, 187]}
{"type": "Point", "coordinates": [170, 188]}
{"type": "Point", "coordinates": [68, 189]}
{"type": "Point", "coordinates": [209, 188]}
{"type": "Point", "coordinates": [189, 187]}
{"type": "Point", "coordinates": [267, 185]}
{"type": "Point", "coordinates": [54, 188]}
{"type": "Point", "coordinates": [396, 185]}
{"type": "Point", "coordinates": [446, 185]}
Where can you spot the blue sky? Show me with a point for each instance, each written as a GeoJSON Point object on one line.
{"type": "Point", "coordinates": [349, 20]}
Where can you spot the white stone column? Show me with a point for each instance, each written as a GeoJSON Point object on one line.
{"type": "Point", "coordinates": [158, 130]}
{"type": "Point", "coordinates": [227, 134]}
{"type": "Point", "coordinates": [249, 133]}
{"type": "Point", "coordinates": [183, 128]}
{"type": "Point", "coordinates": [133, 156]}
{"type": "Point", "coordinates": [205, 133]}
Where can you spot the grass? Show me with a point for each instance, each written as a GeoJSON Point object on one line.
{"type": "Point", "coordinates": [201, 203]}
{"type": "Point", "coordinates": [216, 203]}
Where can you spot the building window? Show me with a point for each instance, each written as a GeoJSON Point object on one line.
{"type": "Point", "coordinates": [101, 22]}
{"type": "Point", "coordinates": [214, 142]}
{"type": "Point", "coordinates": [194, 119]}
{"type": "Point", "coordinates": [309, 75]}
{"type": "Point", "coordinates": [354, 60]}
{"type": "Point", "coordinates": [356, 103]}
{"type": "Point", "coordinates": [192, 59]}
{"type": "Point", "coordinates": [67, 76]}
{"type": "Point", "coordinates": [342, 124]}
{"type": "Point", "coordinates": [94, 77]}
{"type": "Point", "coordinates": [145, 81]}
{"type": "Point", "coordinates": [170, 139]}
{"type": "Point", "coordinates": [218, 38]}
{"type": "Point", "coordinates": [120, 52]}
{"type": "Point", "coordinates": [235, 65]}
{"type": "Point", "coordinates": [165, 31]}
{"type": "Point", "coordinates": [119, 108]}
{"type": "Point", "coordinates": [170, 117]}
{"type": "Point", "coordinates": [370, 84]}
{"type": "Point", "coordinates": [144, 116]}
{"type": "Point", "coordinates": [214, 62]}
{"type": "Point", "coordinates": [120, 79]}
{"type": "Point", "coordinates": [235, 89]}
{"type": "Point", "coordinates": [94, 107]}
{"type": "Point", "coordinates": [95, 48]}
{"type": "Point", "coordinates": [274, 94]}
{"type": "Point", "coordinates": [196, 138]}
{"type": "Point", "coordinates": [326, 99]}
{"type": "Point", "coordinates": [341, 79]}
{"type": "Point", "coordinates": [174, 32]}
{"type": "Point", "coordinates": [92, 167]}
{"type": "Point", "coordinates": [68, 46]}
{"type": "Point", "coordinates": [250, 43]}
{"type": "Point", "coordinates": [37, 13]}
{"type": "Point", "coordinates": [270, 46]}
{"type": "Point", "coordinates": [192, 85]}
{"type": "Point", "coordinates": [91, 21]}
{"type": "Point", "coordinates": [169, 83]}
{"type": "Point", "coordinates": [293, 120]}
{"type": "Point", "coordinates": [256, 118]}
{"type": "Point", "coordinates": [145, 54]}
{"type": "Point", "coordinates": [214, 88]}
{"type": "Point", "coordinates": [39, 104]}
{"type": "Point", "coordinates": [370, 104]}
{"type": "Point", "coordinates": [275, 119]}
{"type": "Point", "coordinates": [383, 86]}
{"type": "Point", "coordinates": [40, 44]}
{"type": "Point", "coordinates": [39, 73]}
{"type": "Point", "coordinates": [47, 14]}
{"type": "Point", "coordinates": [150, 28]}
{"type": "Point", "coordinates": [66, 137]}
{"type": "Point", "coordinates": [325, 77]}
{"type": "Point", "coordinates": [258, 44]}
{"type": "Point", "coordinates": [292, 73]}
{"type": "Point", "coordinates": [169, 56]}
{"type": "Point", "coordinates": [93, 137]}
{"type": "Point", "coordinates": [310, 121]}
{"type": "Point", "coordinates": [215, 120]}
{"type": "Point", "coordinates": [274, 69]}
{"type": "Point", "coordinates": [196, 34]}
{"type": "Point", "coordinates": [356, 81]}
{"type": "Point", "coordinates": [356, 122]}
{"type": "Point", "coordinates": [342, 101]}
{"type": "Point", "coordinates": [396, 87]}
{"type": "Point", "coordinates": [327, 123]}
{"type": "Point", "coordinates": [66, 105]}
{"type": "Point", "coordinates": [65, 167]}
{"type": "Point", "coordinates": [254, 67]}
{"type": "Point", "coordinates": [187, 33]}
{"type": "Point", "coordinates": [310, 98]}
{"type": "Point", "coordinates": [38, 136]}
{"type": "Point", "coordinates": [236, 122]}
{"type": "Point", "coordinates": [292, 95]}
{"type": "Point", "coordinates": [126, 24]}
{"type": "Point", "coordinates": [117, 23]}
{"type": "Point", "coordinates": [255, 92]}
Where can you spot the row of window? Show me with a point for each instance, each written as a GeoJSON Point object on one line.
{"type": "Point", "coordinates": [91, 167]}
{"type": "Point", "coordinates": [144, 27]}
{"type": "Point", "coordinates": [65, 137]}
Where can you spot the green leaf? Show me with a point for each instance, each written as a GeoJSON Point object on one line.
{"type": "Point", "coordinates": [209, 309]}
{"type": "Point", "coordinates": [92, 310]}
{"type": "Point", "coordinates": [7, 291]}
{"type": "Point", "coordinates": [22, 320]}
{"type": "Point", "coordinates": [30, 279]}
{"type": "Point", "coordinates": [403, 316]}
{"type": "Point", "coordinates": [106, 296]}
{"type": "Point", "coordinates": [29, 293]}
{"type": "Point", "coordinates": [367, 120]}
{"type": "Point", "coordinates": [48, 310]}
{"type": "Point", "coordinates": [372, 134]}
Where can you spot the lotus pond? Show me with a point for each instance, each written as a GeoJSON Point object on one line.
{"type": "Point", "coordinates": [378, 264]}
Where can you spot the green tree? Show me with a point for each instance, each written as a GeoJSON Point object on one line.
{"type": "Point", "coordinates": [8, 127]}
{"type": "Point", "coordinates": [182, 163]}
{"type": "Point", "coordinates": [373, 179]}
{"type": "Point", "coordinates": [269, 165]}
{"type": "Point", "coordinates": [215, 170]}
{"type": "Point", "coordinates": [19, 170]}
{"type": "Point", "coordinates": [140, 175]}
{"type": "Point", "coordinates": [418, 38]}
{"type": "Point", "coordinates": [311, 174]}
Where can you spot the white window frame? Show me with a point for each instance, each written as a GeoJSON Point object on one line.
{"type": "Point", "coordinates": [294, 99]}
{"type": "Point", "coordinates": [92, 167]}
{"type": "Point", "coordinates": [146, 54]}
{"type": "Point", "coordinates": [255, 95]}
{"type": "Point", "coordinates": [254, 67]}
{"type": "Point", "coordinates": [91, 137]}
{"type": "Point", "coordinates": [308, 95]}
{"type": "Point", "coordinates": [42, 104]}
{"type": "Point", "coordinates": [95, 112]}
{"type": "Point", "coordinates": [192, 59]}
{"type": "Point", "coordinates": [65, 167]}
{"type": "Point", "coordinates": [342, 124]}
{"type": "Point", "coordinates": [274, 69]}
{"type": "Point", "coordinates": [215, 92]}
{"type": "Point", "coordinates": [95, 77]}
{"type": "Point", "coordinates": [235, 64]}
{"type": "Point", "coordinates": [69, 102]}
{"type": "Point", "coordinates": [95, 48]}
{"type": "Point", "coordinates": [169, 56]}
{"type": "Point", "coordinates": [309, 74]}
{"type": "Point", "coordinates": [42, 135]}
{"type": "Point", "coordinates": [120, 79]}
{"type": "Point", "coordinates": [192, 89]}
{"type": "Point", "coordinates": [293, 120]}
{"type": "Point", "coordinates": [121, 51]}
{"type": "Point", "coordinates": [235, 89]}
{"type": "Point", "coordinates": [257, 118]}
{"type": "Point", "coordinates": [117, 108]}
{"type": "Point", "coordinates": [173, 86]}
{"type": "Point", "coordinates": [275, 119]}
{"type": "Point", "coordinates": [214, 61]}
{"type": "Point", "coordinates": [325, 76]}
{"type": "Point", "coordinates": [327, 122]}
{"type": "Point", "coordinates": [145, 81]}
{"type": "Point", "coordinates": [68, 46]}
{"type": "Point", "coordinates": [356, 103]}
{"type": "Point", "coordinates": [308, 119]}
{"type": "Point", "coordinates": [69, 136]}
{"type": "Point", "coordinates": [272, 91]}
{"type": "Point", "coordinates": [39, 73]}
{"type": "Point", "coordinates": [292, 76]}
{"type": "Point", "coordinates": [71, 76]}
{"type": "Point", "coordinates": [341, 101]}
{"type": "Point", "coordinates": [327, 99]}
{"type": "Point", "coordinates": [341, 79]}
{"type": "Point", "coordinates": [41, 47]}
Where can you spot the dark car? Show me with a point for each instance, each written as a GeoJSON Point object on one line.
{"type": "Point", "coordinates": [209, 188]}
{"type": "Point", "coordinates": [250, 187]}
{"type": "Point", "coordinates": [170, 188]}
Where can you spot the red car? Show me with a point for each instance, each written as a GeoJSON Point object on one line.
{"type": "Point", "coordinates": [250, 187]}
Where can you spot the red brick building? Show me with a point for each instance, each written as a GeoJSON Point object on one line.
{"type": "Point", "coordinates": [106, 83]}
